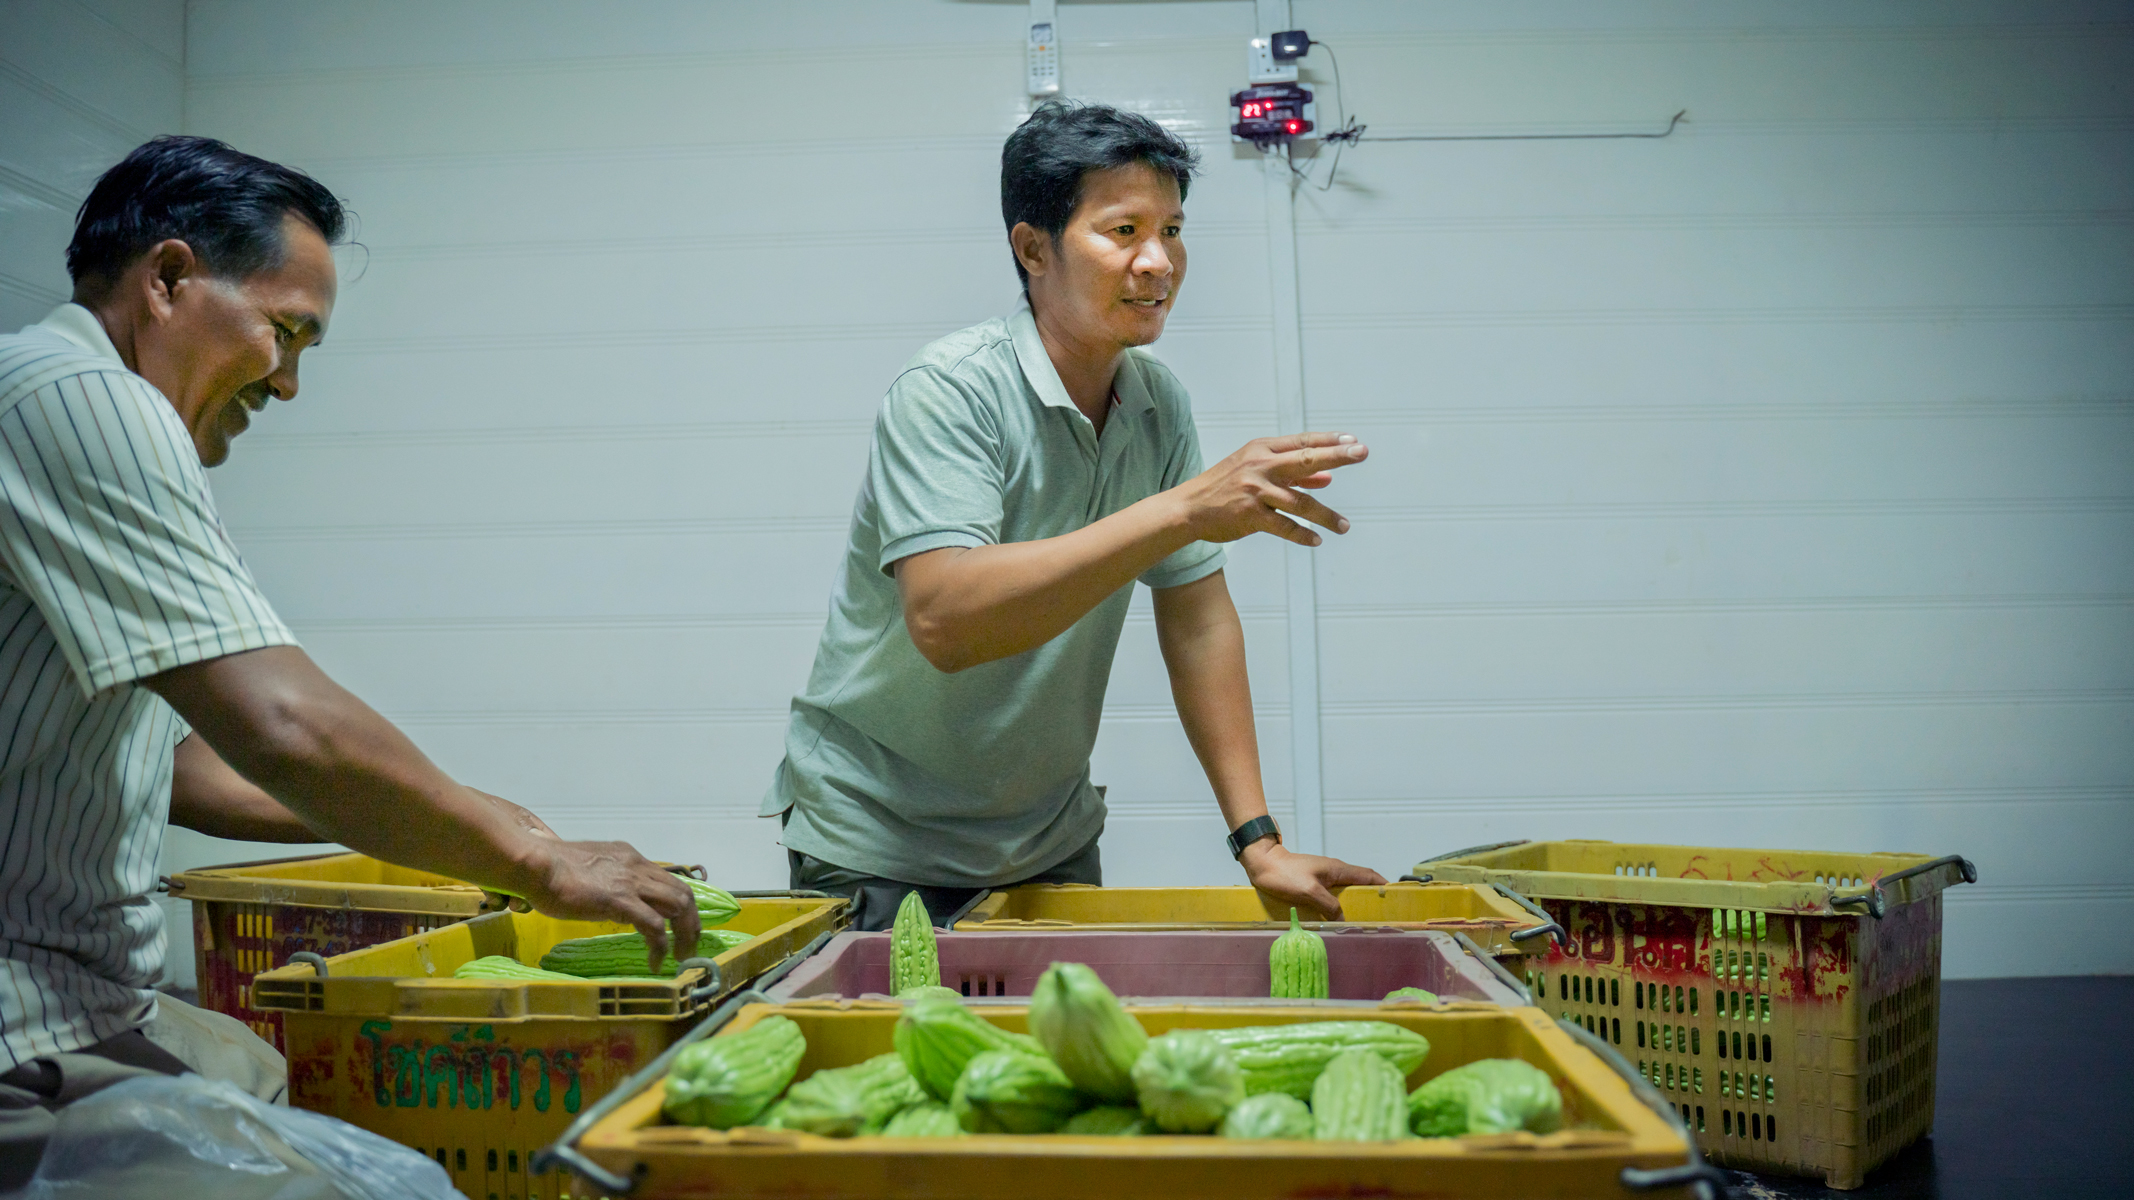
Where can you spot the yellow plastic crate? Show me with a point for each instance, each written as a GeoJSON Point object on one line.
{"type": "Point", "coordinates": [1480, 913]}
{"type": "Point", "coordinates": [1785, 1001]}
{"type": "Point", "coordinates": [1608, 1130]}
{"type": "Point", "coordinates": [250, 917]}
{"type": "Point", "coordinates": [480, 1073]}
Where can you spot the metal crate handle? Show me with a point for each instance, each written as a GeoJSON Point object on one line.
{"type": "Point", "coordinates": [1475, 850]}
{"type": "Point", "coordinates": [1877, 903]}
{"type": "Point", "coordinates": [1548, 925]}
{"type": "Point", "coordinates": [318, 964]}
{"type": "Point", "coordinates": [564, 1153]}
{"type": "Point", "coordinates": [1526, 995]}
{"type": "Point", "coordinates": [1708, 1182]}
{"type": "Point", "coordinates": [712, 984]}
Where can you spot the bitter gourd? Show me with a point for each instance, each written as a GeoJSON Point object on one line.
{"type": "Point", "coordinates": [929, 992]}
{"type": "Point", "coordinates": [1086, 1031]}
{"type": "Point", "coordinates": [1493, 1095]}
{"type": "Point", "coordinates": [937, 1039]}
{"type": "Point", "coordinates": [498, 966]}
{"type": "Point", "coordinates": [928, 1118]}
{"type": "Point", "coordinates": [914, 959]}
{"type": "Point", "coordinates": [1186, 1081]}
{"type": "Point", "coordinates": [1268, 1115]}
{"type": "Point", "coordinates": [1288, 1058]}
{"type": "Point", "coordinates": [1296, 964]}
{"type": "Point", "coordinates": [1418, 995]}
{"type": "Point", "coordinates": [1007, 1091]}
{"type": "Point", "coordinates": [1359, 1097]}
{"type": "Point", "coordinates": [612, 954]}
{"type": "Point", "coordinates": [715, 906]}
{"type": "Point", "coordinates": [845, 1101]}
{"type": "Point", "coordinates": [729, 1080]}
{"type": "Point", "coordinates": [1107, 1120]}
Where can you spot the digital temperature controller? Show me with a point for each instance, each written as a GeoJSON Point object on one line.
{"type": "Point", "coordinates": [1271, 113]}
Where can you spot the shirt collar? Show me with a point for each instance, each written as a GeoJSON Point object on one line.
{"type": "Point", "coordinates": [1044, 378]}
{"type": "Point", "coordinates": [80, 326]}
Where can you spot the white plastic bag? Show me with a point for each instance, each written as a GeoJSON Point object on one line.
{"type": "Point", "coordinates": [165, 1137]}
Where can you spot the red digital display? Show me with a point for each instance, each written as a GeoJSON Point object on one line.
{"type": "Point", "coordinates": [1271, 113]}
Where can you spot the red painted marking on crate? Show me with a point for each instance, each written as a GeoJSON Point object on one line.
{"type": "Point", "coordinates": [1665, 942]}
{"type": "Point", "coordinates": [1595, 933]}
{"type": "Point", "coordinates": [1829, 949]}
{"type": "Point", "coordinates": [1693, 871]}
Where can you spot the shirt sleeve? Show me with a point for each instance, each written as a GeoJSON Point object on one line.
{"type": "Point", "coordinates": [936, 468]}
{"type": "Point", "coordinates": [109, 527]}
{"type": "Point", "coordinates": [1196, 560]}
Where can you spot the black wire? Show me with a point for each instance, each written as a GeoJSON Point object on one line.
{"type": "Point", "coordinates": [1340, 136]}
{"type": "Point", "coordinates": [1528, 137]}
{"type": "Point", "coordinates": [1348, 132]}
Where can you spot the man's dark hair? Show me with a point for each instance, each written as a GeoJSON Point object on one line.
{"type": "Point", "coordinates": [1046, 158]}
{"type": "Point", "coordinates": [227, 205]}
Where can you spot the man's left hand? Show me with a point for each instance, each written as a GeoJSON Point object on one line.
{"type": "Point", "coordinates": [1305, 880]}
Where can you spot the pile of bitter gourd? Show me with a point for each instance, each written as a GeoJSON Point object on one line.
{"type": "Point", "coordinates": [1087, 1067]}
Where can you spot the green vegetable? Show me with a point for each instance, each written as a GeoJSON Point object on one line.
{"type": "Point", "coordinates": [1359, 1097]}
{"type": "Point", "coordinates": [729, 1080]}
{"type": "Point", "coordinates": [1268, 1115]}
{"type": "Point", "coordinates": [938, 1038]}
{"type": "Point", "coordinates": [1186, 1081]}
{"type": "Point", "coordinates": [1296, 965]}
{"type": "Point", "coordinates": [1107, 1120]}
{"type": "Point", "coordinates": [612, 954]}
{"type": "Point", "coordinates": [1083, 1027]}
{"type": "Point", "coordinates": [1416, 994]}
{"type": "Point", "coordinates": [1007, 1091]}
{"type": "Point", "coordinates": [715, 906]}
{"type": "Point", "coordinates": [844, 1101]}
{"type": "Point", "coordinates": [1493, 1095]}
{"type": "Point", "coordinates": [928, 1118]}
{"type": "Point", "coordinates": [914, 960]}
{"type": "Point", "coordinates": [498, 966]}
{"type": "Point", "coordinates": [929, 992]}
{"type": "Point", "coordinates": [1288, 1058]}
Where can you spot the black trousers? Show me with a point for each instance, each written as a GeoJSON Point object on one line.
{"type": "Point", "coordinates": [875, 900]}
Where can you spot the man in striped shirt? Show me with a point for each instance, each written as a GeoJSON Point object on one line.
{"type": "Point", "coordinates": [144, 678]}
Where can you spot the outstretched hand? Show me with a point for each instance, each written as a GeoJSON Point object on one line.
{"type": "Point", "coordinates": [1305, 880]}
{"type": "Point", "coordinates": [1250, 491]}
{"type": "Point", "coordinates": [610, 881]}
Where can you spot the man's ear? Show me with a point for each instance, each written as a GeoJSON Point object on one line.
{"type": "Point", "coordinates": [1032, 248]}
{"type": "Point", "coordinates": [171, 264]}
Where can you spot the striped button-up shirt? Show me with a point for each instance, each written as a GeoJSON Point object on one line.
{"type": "Point", "coordinates": [113, 567]}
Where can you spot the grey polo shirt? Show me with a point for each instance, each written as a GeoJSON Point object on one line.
{"type": "Point", "coordinates": [982, 777]}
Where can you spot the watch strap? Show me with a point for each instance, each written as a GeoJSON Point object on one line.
{"type": "Point", "coordinates": [1250, 832]}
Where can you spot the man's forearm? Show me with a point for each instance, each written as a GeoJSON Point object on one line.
{"type": "Point", "coordinates": [344, 771]}
{"type": "Point", "coordinates": [967, 606]}
{"type": "Point", "coordinates": [206, 796]}
{"type": "Point", "coordinates": [1203, 645]}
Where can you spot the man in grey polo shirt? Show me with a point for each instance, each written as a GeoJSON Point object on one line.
{"type": "Point", "coordinates": [1025, 472]}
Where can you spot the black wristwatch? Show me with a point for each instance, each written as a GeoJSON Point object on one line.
{"type": "Point", "coordinates": [1252, 831]}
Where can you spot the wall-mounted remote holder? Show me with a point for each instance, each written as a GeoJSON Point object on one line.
{"type": "Point", "coordinates": [1042, 55]}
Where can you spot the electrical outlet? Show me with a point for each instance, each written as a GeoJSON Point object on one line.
{"type": "Point", "coordinates": [1261, 67]}
{"type": "Point", "coordinates": [1044, 60]}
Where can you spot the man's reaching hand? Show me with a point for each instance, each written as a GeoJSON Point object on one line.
{"type": "Point", "coordinates": [1305, 880]}
{"type": "Point", "coordinates": [1249, 491]}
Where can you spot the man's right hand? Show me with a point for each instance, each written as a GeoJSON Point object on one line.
{"type": "Point", "coordinates": [1249, 491]}
{"type": "Point", "coordinates": [611, 881]}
